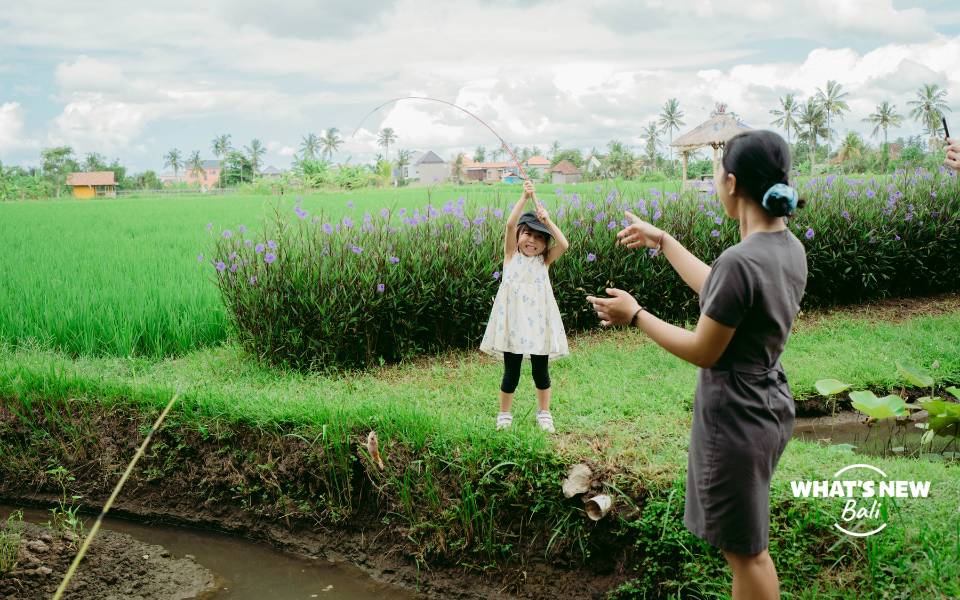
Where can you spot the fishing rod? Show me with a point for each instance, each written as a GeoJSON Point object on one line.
{"type": "Point", "coordinates": [519, 166]}
{"type": "Point", "coordinates": [113, 496]}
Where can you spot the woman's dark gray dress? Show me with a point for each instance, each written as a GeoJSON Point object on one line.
{"type": "Point", "coordinates": [743, 410]}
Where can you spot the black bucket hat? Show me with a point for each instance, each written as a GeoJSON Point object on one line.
{"type": "Point", "coordinates": [530, 219]}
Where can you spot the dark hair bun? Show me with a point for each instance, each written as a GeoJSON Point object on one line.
{"type": "Point", "coordinates": [760, 159]}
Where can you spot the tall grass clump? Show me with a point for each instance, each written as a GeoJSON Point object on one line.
{"type": "Point", "coordinates": [327, 291]}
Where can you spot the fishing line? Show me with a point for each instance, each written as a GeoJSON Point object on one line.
{"type": "Point", "coordinates": [113, 496]}
{"type": "Point", "coordinates": [519, 166]}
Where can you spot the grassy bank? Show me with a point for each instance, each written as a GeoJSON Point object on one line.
{"type": "Point", "coordinates": [286, 449]}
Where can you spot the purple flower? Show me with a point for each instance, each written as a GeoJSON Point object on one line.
{"type": "Point", "coordinates": [910, 207]}
{"type": "Point", "coordinates": [612, 225]}
{"type": "Point", "coordinates": [496, 275]}
{"type": "Point", "coordinates": [598, 188]}
{"type": "Point", "coordinates": [221, 266]}
{"type": "Point", "coordinates": [479, 220]}
{"type": "Point", "coordinates": [599, 216]}
{"type": "Point", "coordinates": [381, 287]}
{"type": "Point", "coordinates": [347, 222]}
{"type": "Point", "coordinates": [710, 213]}
{"type": "Point", "coordinates": [303, 214]}
{"type": "Point", "coordinates": [227, 234]}
{"type": "Point", "coordinates": [559, 191]}
{"type": "Point", "coordinates": [327, 228]}
{"type": "Point", "coordinates": [873, 239]}
{"type": "Point", "coordinates": [718, 220]}
{"type": "Point", "coordinates": [394, 259]}
{"type": "Point", "coordinates": [272, 245]}
{"type": "Point", "coordinates": [578, 223]}
{"type": "Point", "coordinates": [402, 212]}
{"type": "Point", "coordinates": [909, 217]}
{"type": "Point", "coordinates": [356, 249]}
{"type": "Point", "coordinates": [656, 215]}
{"type": "Point", "coordinates": [200, 258]}
{"type": "Point", "coordinates": [384, 213]}
{"type": "Point", "coordinates": [299, 199]}
{"type": "Point", "coordinates": [624, 223]}
{"type": "Point", "coordinates": [614, 192]}
{"type": "Point", "coordinates": [498, 213]}
{"type": "Point", "coordinates": [896, 237]}
{"type": "Point", "coordinates": [714, 233]}
{"type": "Point", "coordinates": [350, 204]}
{"type": "Point", "coordinates": [233, 256]}
{"type": "Point", "coordinates": [845, 215]}
{"type": "Point", "coordinates": [233, 267]}
{"type": "Point", "coordinates": [809, 234]}
{"type": "Point", "coordinates": [591, 257]}
{"type": "Point", "coordinates": [652, 252]}
{"type": "Point", "coordinates": [243, 229]}
{"type": "Point", "coordinates": [258, 249]}
{"type": "Point", "coordinates": [253, 280]}
{"type": "Point", "coordinates": [269, 258]}
{"type": "Point", "coordinates": [209, 226]}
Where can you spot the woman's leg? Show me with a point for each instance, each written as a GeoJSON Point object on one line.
{"type": "Point", "coordinates": [754, 576]}
{"type": "Point", "coordinates": [541, 379]}
{"type": "Point", "coordinates": [511, 377]}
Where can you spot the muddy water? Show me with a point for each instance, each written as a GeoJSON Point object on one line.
{"type": "Point", "coordinates": [849, 427]}
{"type": "Point", "coordinates": [255, 570]}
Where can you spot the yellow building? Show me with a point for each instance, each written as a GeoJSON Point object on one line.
{"type": "Point", "coordinates": [88, 185]}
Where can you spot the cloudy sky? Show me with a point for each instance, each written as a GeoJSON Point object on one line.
{"type": "Point", "coordinates": [136, 79]}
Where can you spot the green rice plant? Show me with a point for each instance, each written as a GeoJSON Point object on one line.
{"type": "Point", "coordinates": [332, 292]}
{"type": "Point", "coordinates": [10, 534]}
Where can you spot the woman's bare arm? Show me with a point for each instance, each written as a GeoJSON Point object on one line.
{"type": "Point", "coordinates": [640, 233]}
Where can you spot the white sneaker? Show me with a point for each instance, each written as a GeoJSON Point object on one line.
{"type": "Point", "coordinates": [545, 421]}
{"type": "Point", "coordinates": [504, 420]}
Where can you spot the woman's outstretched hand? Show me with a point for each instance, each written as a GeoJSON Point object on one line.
{"type": "Point", "coordinates": [618, 310]}
{"type": "Point", "coordinates": [953, 154]}
{"type": "Point", "coordinates": [639, 233]}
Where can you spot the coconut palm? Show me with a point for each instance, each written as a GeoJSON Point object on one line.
{"type": "Point", "coordinates": [310, 146]}
{"type": "Point", "coordinates": [254, 152]}
{"type": "Point", "coordinates": [670, 120]}
{"type": "Point", "coordinates": [221, 148]}
{"type": "Point", "coordinates": [480, 154]}
{"type": "Point", "coordinates": [789, 108]}
{"type": "Point", "coordinates": [457, 171]}
{"type": "Point", "coordinates": [884, 117]}
{"type": "Point", "coordinates": [403, 159]}
{"type": "Point", "coordinates": [195, 163]}
{"type": "Point", "coordinates": [929, 107]}
{"type": "Point", "coordinates": [331, 141]}
{"type": "Point", "coordinates": [496, 153]}
{"type": "Point", "coordinates": [812, 116]}
{"type": "Point", "coordinates": [173, 159]}
{"type": "Point", "coordinates": [851, 147]}
{"type": "Point", "coordinates": [554, 149]}
{"type": "Point", "coordinates": [383, 172]}
{"type": "Point", "coordinates": [535, 151]}
{"type": "Point", "coordinates": [651, 135]}
{"type": "Point", "coordinates": [832, 103]}
{"type": "Point", "coordinates": [386, 137]}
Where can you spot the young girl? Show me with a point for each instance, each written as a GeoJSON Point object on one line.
{"type": "Point", "coordinates": [525, 321]}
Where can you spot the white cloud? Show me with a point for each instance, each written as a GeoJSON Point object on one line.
{"type": "Point", "coordinates": [15, 145]}
{"type": "Point", "coordinates": [279, 148]}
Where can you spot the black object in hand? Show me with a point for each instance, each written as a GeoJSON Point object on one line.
{"type": "Point", "coordinates": [946, 131]}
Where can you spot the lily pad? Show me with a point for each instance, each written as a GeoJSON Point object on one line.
{"type": "Point", "coordinates": [878, 408]}
{"type": "Point", "coordinates": [915, 374]}
{"type": "Point", "coordinates": [955, 391]}
{"type": "Point", "coordinates": [829, 387]}
{"type": "Point", "coordinates": [843, 448]}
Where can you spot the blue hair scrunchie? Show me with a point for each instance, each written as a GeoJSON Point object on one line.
{"type": "Point", "coordinates": [786, 192]}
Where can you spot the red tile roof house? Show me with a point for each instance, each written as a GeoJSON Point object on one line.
{"type": "Point", "coordinates": [565, 172]}
{"type": "Point", "coordinates": [209, 177]}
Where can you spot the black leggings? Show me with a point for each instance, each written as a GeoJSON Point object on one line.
{"type": "Point", "coordinates": [511, 371]}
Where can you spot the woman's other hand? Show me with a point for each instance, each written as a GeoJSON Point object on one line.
{"type": "Point", "coordinates": [618, 310]}
{"type": "Point", "coordinates": [639, 233]}
{"type": "Point", "coordinates": [953, 154]}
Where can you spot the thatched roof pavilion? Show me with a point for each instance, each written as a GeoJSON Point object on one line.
{"type": "Point", "coordinates": [714, 133]}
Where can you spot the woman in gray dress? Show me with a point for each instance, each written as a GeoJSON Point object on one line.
{"type": "Point", "coordinates": [743, 410]}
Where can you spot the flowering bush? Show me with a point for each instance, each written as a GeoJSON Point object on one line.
{"type": "Point", "coordinates": [346, 290]}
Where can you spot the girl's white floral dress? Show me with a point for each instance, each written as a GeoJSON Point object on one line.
{"type": "Point", "coordinates": [525, 317]}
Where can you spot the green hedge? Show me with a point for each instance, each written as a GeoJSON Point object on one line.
{"type": "Point", "coordinates": [319, 304]}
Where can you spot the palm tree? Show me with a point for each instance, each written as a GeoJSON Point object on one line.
{"type": "Point", "coordinates": [554, 149]}
{"type": "Point", "coordinates": [851, 148]}
{"type": "Point", "coordinates": [310, 146]}
{"type": "Point", "coordinates": [929, 107]}
{"type": "Point", "coordinates": [496, 153]}
{"type": "Point", "coordinates": [403, 159]}
{"type": "Point", "coordinates": [535, 151]}
{"type": "Point", "coordinates": [173, 160]}
{"type": "Point", "coordinates": [670, 120]}
{"type": "Point", "coordinates": [812, 116]}
{"type": "Point", "coordinates": [788, 109]}
{"type": "Point", "coordinates": [331, 141]}
{"type": "Point", "coordinates": [383, 172]}
{"type": "Point", "coordinates": [386, 138]}
{"type": "Point", "coordinates": [254, 152]}
{"type": "Point", "coordinates": [196, 165]}
{"type": "Point", "coordinates": [833, 104]}
{"type": "Point", "coordinates": [651, 135]}
{"type": "Point", "coordinates": [884, 117]}
{"type": "Point", "coordinates": [221, 148]}
{"type": "Point", "coordinates": [480, 154]}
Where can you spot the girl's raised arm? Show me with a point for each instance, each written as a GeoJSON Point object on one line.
{"type": "Point", "coordinates": [510, 236]}
{"type": "Point", "coordinates": [557, 250]}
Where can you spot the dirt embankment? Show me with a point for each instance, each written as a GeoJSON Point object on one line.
{"type": "Point", "coordinates": [116, 566]}
{"type": "Point", "coordinates": [416, 523]}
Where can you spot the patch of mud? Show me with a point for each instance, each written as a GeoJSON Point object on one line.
{"type": "Point", "coordinates": [116, 566]}
{"type": "Point", "coordinates": [820, 406]}
{"type": "Point", "coordinates": [890, 310]}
